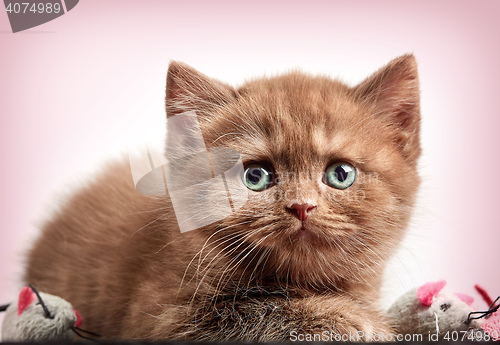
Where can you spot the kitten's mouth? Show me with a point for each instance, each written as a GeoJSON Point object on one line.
{"type": "Point", "coordinates": [306, 233]}
{"type": "Point", "coordinates": [303, 230]}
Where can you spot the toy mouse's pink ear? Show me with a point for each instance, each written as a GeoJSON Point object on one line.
{"type": "Point", "coordinates": [465, 298]}
{"type": "Point", "coordinates": [486, 297]}
{"type": "Point", "coordinates": [26, 297]}
{"type": "Point", "coordinates": [427, 291]}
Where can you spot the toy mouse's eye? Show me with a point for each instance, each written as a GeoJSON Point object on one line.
{"type": "Point", "coordinates": [445, 306]}
{"type": "Point", "coordinates": [340, 175]}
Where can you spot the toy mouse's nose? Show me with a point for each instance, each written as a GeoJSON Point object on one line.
{"type": "Point", "coordinates": [301, 211]}
{"type": "Point", "coordinates": [78, 322]}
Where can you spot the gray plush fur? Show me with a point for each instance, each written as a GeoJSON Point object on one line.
{"type": "Point", "coordinates": [33, 325]}
{"type": "Point", "coordinates": [446, 314]}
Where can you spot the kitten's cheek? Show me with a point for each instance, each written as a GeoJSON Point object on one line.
{"type": "Point", "coordinates": [323, 189]}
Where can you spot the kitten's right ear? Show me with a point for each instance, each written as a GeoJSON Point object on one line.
{"type": "Point", "coordinates": [188, 89]}
{"type": "Point", "coordinates": [394, 92]}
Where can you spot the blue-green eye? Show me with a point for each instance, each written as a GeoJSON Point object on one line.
{"type": "Point", "coordinates": [340, 175]}
{"type": "Point", "coordinates": [257, 177]}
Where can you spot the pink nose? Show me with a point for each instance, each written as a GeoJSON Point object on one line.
{"type": "Point", "coordinates": [301, 211]}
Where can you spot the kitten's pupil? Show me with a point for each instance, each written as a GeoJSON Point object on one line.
{"type": "Point", "coordinates": [255, 176]}
{"type": "Point", "coordinates": [341, 173]}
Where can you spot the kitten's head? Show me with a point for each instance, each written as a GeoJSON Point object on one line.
{"type": "Point", "coordinates": [330, 169]}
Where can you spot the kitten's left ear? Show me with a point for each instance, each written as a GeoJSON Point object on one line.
{"type": "Point", "coordinates": [394, 92]}
{"type": "Point", "coordinates": [188, 89]}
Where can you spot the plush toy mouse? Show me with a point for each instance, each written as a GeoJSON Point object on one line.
{"type": "Point", "coordinates": [437, 314]}
{"type": "Point", "coordinates": [39, 317]}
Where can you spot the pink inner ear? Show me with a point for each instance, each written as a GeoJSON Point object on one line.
{"type": "Point", "coordinates": [427, 291]}
{"type": "Point", "coordinates": [26, 297]}
{"type": "Point", "coordinates": [465, 298]}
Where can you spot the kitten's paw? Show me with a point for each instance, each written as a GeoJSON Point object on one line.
{"type": "Point", "coordinates": [359, 329]}
{"type": "Point", "coordinates": [341, 319]}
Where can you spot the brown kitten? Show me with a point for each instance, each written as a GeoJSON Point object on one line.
{"type": "Point", "coordinates": [302, 255]}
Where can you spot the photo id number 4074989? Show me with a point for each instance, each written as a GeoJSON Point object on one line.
{"type": "Point", "coordinates": [25, 7]}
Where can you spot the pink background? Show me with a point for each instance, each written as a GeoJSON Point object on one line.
{"type": "Point", "coordinates": [76, 91]}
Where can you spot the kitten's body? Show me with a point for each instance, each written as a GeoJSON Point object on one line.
{"type": "Point", "coordinates": [119, 258]}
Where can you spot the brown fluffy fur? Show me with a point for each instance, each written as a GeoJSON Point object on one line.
{"type": "Point", "coordinates": [119, 258]}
